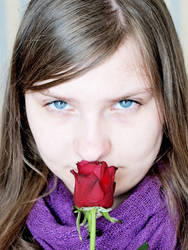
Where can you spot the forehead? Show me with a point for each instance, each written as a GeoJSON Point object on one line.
{"type": "Point", "coordinates": [126, 63]}
{"type": "Point", "coordinates": [127, 57]}
{"type": "Point", "coordinates": [127, 60]}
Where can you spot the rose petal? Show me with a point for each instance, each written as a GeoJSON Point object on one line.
{"type": "Point", "coordinates": [91, 167]}
{"type": "Point", "coordinates": [88, 191]}
{"type": "Point", "coordinates": [108, 179]}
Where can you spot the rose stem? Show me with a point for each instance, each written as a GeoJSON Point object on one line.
{"type": "Point", "coordinates": [93, 228]}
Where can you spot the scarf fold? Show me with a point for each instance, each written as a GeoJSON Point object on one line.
{"type": "Point", "coordinates": [143, 214]}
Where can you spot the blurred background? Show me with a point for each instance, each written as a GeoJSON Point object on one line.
{"type": "Point", "coordinates": [11, 12]}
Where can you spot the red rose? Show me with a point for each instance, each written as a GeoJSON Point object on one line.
{"type": "Point", "coordinates": [94, 184]}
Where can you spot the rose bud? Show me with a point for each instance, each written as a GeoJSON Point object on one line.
{"type": "Point", "coordinates": [94, 184]}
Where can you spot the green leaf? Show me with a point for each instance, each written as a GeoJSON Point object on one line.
{"type": "Point", "coordinates": [145, 246]}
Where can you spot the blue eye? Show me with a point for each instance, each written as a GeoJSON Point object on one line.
{"type": "Point", "coordinates": [59, 104]}
{"type": "Point", "coordinates": [126, 103]}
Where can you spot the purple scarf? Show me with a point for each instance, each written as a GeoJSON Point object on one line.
{"type": "Point", "coordinates": [144, 219]}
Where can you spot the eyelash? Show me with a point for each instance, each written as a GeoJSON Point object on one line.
{"type": "Point", "coordinates": [53, 106]}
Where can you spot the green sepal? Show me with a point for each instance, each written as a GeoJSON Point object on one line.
{"type": "Point", "coordinates": [109, 218]}
{"type": "Point", "coordinates": [85, 220]}
{"type": "Point", "coordinates": [145, 246]}
{"type": "Point", "coordinates": [78, 224]}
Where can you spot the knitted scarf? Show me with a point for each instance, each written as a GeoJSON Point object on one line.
{"type": "Point", "coordinates": [143, 214]}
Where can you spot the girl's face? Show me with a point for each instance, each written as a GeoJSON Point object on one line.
{"type": "Point", "coordinates": [108, 114]}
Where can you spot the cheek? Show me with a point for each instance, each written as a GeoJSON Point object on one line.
{"type": "Point", "coordinates": [147, 140]}
{"type": "Point", "coordinates": [139, 141]}
{"type": "Point", "coordinates": [136, 155]}
{"type": "Point", "coordinates": [53, 142]}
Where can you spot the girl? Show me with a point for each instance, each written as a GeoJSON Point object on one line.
{"type": "Point", "coordinates": [95, 80]}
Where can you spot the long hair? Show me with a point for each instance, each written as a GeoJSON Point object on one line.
{"type": "Point", "coordinates": [60, 40]}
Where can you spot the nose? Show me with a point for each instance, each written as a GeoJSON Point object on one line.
{"type": "Point", "coordinates": [92, 142]}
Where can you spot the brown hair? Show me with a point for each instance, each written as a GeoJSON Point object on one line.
{"type": "Point", "coordinates": [72, 37]}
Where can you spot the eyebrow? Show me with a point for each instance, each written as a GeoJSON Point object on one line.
{"type": "Point", "coordinates": [122, 97]}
